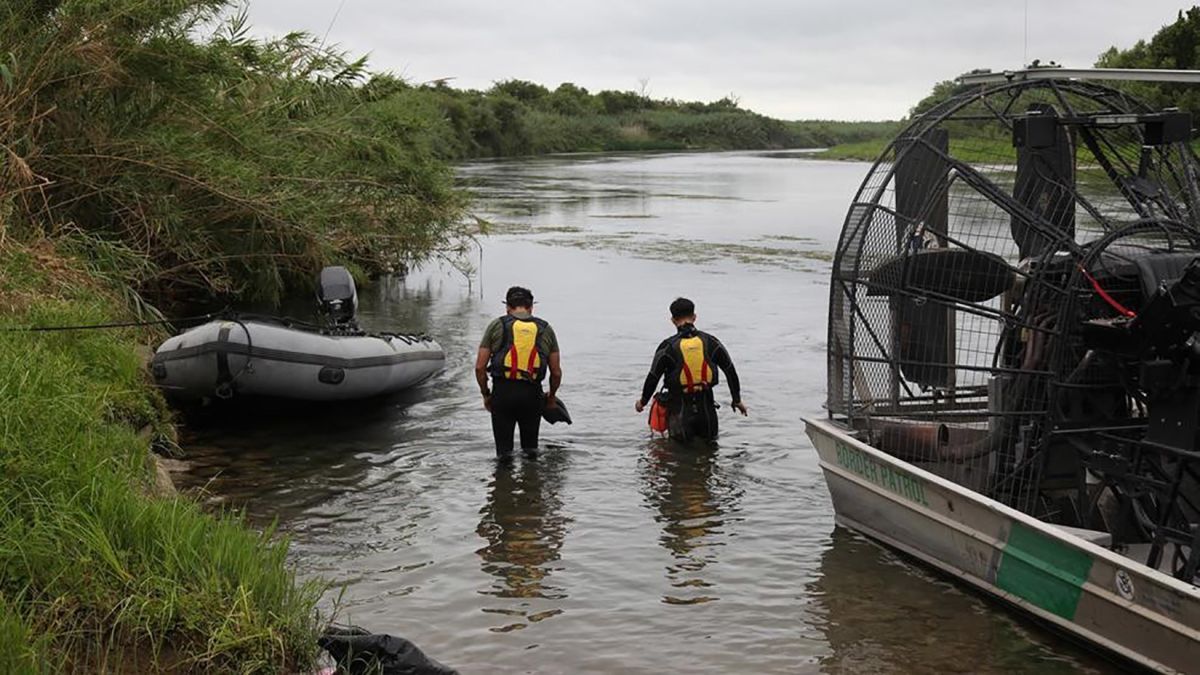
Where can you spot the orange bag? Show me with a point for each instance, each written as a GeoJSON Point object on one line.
{"type": "Point", "coordinates": [658, 416]}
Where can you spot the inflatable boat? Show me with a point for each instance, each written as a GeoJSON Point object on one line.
{"type": "Point", "coordinates": [279, 358]}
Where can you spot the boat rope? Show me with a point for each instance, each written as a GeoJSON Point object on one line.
{"type": "Point", "coordinates": [106, 326]}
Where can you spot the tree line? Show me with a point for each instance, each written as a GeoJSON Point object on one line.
{"type": "Point", "coordinates": [517, 117]}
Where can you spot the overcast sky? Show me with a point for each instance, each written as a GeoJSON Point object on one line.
{"type": "Point", "coordinates": [793, 59]}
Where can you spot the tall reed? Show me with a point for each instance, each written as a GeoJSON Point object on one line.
{"type": "Point", "coordinates": [222, 163]}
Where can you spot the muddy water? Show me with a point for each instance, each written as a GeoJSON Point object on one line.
{"type": "Point", "coordinates": [612, 551]}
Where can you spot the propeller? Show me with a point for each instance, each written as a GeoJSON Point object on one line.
{"type": "Point", "coordinates": [962, 274]}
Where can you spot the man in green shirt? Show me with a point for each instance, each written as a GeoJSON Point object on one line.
{"type": "Point", "coordinates": [517, 350]}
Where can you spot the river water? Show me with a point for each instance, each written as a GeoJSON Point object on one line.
{"type": "Point", "coordinates": [612, 551]}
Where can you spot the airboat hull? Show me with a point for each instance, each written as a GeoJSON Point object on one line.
{"type": "Point", "coordinates": [1053, 574]}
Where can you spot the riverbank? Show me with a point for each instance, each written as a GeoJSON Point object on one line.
{"type": "Point", "coordinates": [973, 150]}
{"type": "Point", "coordinates": [98, 570]}
{"type": "Point", "coordinates": [518, 118]}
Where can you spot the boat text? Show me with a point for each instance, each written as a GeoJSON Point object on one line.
{"type": "Point", "coordinates": [884, 476]}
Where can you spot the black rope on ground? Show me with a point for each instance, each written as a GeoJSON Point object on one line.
{"type": "Point", "coordinates": [103, 326]}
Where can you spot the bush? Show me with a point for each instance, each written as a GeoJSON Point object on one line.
{"type": "Point", "coordinates": [230, 165]}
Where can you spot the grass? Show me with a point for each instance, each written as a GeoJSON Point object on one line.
{"type": "Point", "coordinates": [972, 150]}
{"type": "Point", "coordinates": [97, 574]}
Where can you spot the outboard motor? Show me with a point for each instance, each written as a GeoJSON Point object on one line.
{"type": "Point", "coordinates": [338, 297]}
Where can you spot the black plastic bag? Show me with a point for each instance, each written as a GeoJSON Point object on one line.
{"type": "Point", "coordinates": [359, 652]}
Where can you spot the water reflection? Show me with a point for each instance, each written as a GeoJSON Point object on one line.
{"type": "Point", "coordinates": [876, 619]}
{"type": "Point", "coordinates": [684, 484]}
{"type": "Point", "coordinates": [278, 458]}
{"type": "Point", "coordinates": [524, 526]}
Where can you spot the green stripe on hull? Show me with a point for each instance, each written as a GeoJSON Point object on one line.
{"type": "Point", "coordinates": [1043, 571]}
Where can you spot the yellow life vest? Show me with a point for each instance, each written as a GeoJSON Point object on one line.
{"type": "Point", "coordinates": [695, 373]}
{"type": "Point", "coordinates": [519, 357]}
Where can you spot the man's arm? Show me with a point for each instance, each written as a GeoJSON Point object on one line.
{"type": "Point", "coordinates": [658, 368]}
{"type": "Point", "coordinates": [481, 375]}
{"type": "Point", "coordinates": [553, 363]}
{"type": "Point", "coordinates": [555, 377]}
{"type": "Point", "coordinates": [491, 336]}
{"type": "Point", "coordinates": [725, 363]}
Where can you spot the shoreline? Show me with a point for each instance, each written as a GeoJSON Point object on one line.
{"type": "Point", "coordinates": [106, 563]}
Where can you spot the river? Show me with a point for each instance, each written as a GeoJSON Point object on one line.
{"type": "Point", "coordinates": [614, 552]}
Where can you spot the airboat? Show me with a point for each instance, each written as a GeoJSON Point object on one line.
{"type": "Point", "coordinates": [1014, 355]}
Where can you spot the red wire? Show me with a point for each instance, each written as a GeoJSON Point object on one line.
{"type": "Point", "coordinates": [1121, 309]}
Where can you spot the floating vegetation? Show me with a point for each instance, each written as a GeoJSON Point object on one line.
{"type": "Point", "coordinates": [510, 228]}
{"type": "Point", "coordinates": [622, 216]}
{"type": "Point", "coordinates": [691, 252]}
{"type": "Point", "coordinates": [710, 198]}
{"type": "Point", "coordinates": [788, 237]}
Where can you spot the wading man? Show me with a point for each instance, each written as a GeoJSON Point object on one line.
{"type": "Point", "coordinates": [517, 350]}
{"type": "Point", "coordinates": [688, 361]}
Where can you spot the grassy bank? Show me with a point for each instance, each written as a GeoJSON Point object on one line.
{"type": "Point", "coordinates": [96, 574]}
{"type": "Point", "coordinates": [973, 150]}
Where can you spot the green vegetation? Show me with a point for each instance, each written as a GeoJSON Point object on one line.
{"type": "Point", "coordinates": [975, 149]}
{"type": "Point", "coordinates": [206, 162]}
{"type": "Point", "coordinates": [830, 134]}
{"type": "Point", "coordinates": [225, 165]}
{"type": "Point", "coordinates": [1175, 46]}
{"type": "Point", "coordinates": [516, 117]}
{"type": "Point", "coordinates": [142, 161]}
{"type": "Point", "coordinates": [865, 151]}
{"type": "Point", "coordinates": [96, 573]}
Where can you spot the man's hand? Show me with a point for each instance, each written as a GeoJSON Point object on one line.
{"type": "Point", "coordinates": [740, 407]}
{"type": "Point", "coordinates": [551, 402]}
{"type": "Point", "coordinates": [640, 405]}
{"type": "Point", "coordinates": [487, 402]}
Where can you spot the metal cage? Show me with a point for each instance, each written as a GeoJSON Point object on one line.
{"type": "Point", "coordinates": [1000, 294]}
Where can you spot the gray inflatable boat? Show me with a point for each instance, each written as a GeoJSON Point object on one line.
{"type": "Point", "coordinates": [268, 357]}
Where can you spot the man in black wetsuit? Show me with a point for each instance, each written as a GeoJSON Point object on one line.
{"type": "Point", "coordinates": [517, 350]}
{"type": "Point", "coordinates": [688, 361]}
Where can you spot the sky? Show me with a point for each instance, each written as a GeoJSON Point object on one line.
{"type": "Point", "coordinates": [791, 59]}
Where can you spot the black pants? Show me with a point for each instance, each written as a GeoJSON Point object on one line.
{"type": "Point", "coordinates": [516, 404]}
{"type": "Point", "coordinates": [691, 416]}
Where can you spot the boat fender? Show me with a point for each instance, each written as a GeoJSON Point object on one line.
{"type": "Point", "coordinates": [331, 375]}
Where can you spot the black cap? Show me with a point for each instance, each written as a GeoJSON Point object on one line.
{"type": "Point", "coordinates": [519, 296]}
{"type": "Point", "coordinates": [682, 308]}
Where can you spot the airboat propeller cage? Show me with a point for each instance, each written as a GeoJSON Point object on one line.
{"type": "Point", "coordinates": [337, 295]}
{"type": "Point", "coordinates": [984, 302]}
